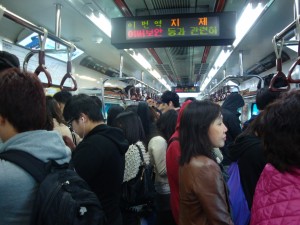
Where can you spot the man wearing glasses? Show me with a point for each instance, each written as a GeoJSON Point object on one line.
{"type": "Point", "coordinates": [100, 157]}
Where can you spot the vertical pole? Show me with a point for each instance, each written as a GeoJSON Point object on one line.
{"type": "Point", "coordinates": [57, 23]}
{"type": "Point", "coordinates": [241, 63]}
{"type": "Point", "coordinates": [121, 65]}
{"type": "Point", "coordinates": [142, 75]}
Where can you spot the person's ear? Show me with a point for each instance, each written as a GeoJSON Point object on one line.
{"type": "Point", "coordinates": [2, 120]}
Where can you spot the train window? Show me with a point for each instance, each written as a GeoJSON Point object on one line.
{"type": "Point", "coordinates": [32, 42]}
{"type": "Point", "coordinates": [254, 109]}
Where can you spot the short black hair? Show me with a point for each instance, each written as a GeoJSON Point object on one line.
{"type": "Point", "coordinates": [8, 60]}
{"type": "Point", "coordinates": [170, 96]}
{"type": "Point", "coordinates": [97, 100]}
{"type": "Point", "coordinates": [62, 96]}
{"type": "Point", "coordinates": [264, 97]}
{"type": "Point", "coordinates": [82, 103]}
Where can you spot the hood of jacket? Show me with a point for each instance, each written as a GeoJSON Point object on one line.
{"type": "Point", "coordinates": [44, 145]}
{"type": "Point", "coordinates": [114, 134]}
{"type": "Point", "coordinates": [242, 144]}
{"type": "Point", "coordinates": [180, 114]}
{"type": "Point", "coordinates": [233, 102]}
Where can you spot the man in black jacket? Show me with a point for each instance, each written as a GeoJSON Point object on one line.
{"type": "Point", "coordinates": [100, 157]}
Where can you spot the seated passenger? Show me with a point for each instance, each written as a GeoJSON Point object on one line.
{"type": "Point", "coordinates": [277, 194]}
{"type": "Point", "coordinates": [22, 120]}
{"type": "Point", "coordinates": [100, 157]}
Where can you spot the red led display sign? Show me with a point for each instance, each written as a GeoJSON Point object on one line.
{"type": "Point", "coordinates": [186, 89]}
{"type": "Point", "coordinates": [174, 30]}
{"type": "Point", "coordinates": [173, 27]}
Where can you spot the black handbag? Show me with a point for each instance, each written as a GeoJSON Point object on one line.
{"type": "Point", "coordinates": [139, 190]}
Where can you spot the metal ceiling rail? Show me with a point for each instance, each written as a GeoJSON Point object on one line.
{"type": "Point", "coordinates": [239, 79]}
{"type": "Point", "coordinates": [285, 31]}
{"type": "Point", "coordinates": [33, 27]}
{"type": "Point", "coordinates": [133, 79]}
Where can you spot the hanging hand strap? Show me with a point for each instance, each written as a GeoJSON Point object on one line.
{"type": "Point", "coordinates": [69, 73]}
{"type": "Point", "coordinates": [279, 75]}
{"type": "Point", "coordinates": [41, 67]}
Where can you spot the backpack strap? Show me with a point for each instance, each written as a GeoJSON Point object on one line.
{"type": "Point", "coordinates": [141, 154]}
{"type": "Point", "coordinates": [35, 167]}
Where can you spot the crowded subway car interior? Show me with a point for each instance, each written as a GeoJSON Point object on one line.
{"type": "Point", "coordinates": [238, 52]}
{"type": "Point", "coordinates": [126, 52]}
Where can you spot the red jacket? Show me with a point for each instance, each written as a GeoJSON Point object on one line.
{"type": "Point", "coordinates": [277, 198]}
{"type": "Point", "coordinates": [172, 162]}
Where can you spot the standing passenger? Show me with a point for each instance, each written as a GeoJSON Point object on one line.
{"type": "Point", "coordinates": [277, 194]}
{"type": "Point", "coordinates": [230, 113]}
{"type": "Point", "coordinates": [100, 157]}
{"type": "Point", "coordinates": [203, 194]}
{"type": "Point", "coordinates": [22, 122]}
{"type": "Point", "coordinates": [132, 127]}
{"type": "Point", "coordinates": [172, 163]}
{"type": "Point", "coordinates": [59, 123]}
{"type": "Point", "coordinates": [157, 148]}
{"type": "Point", "coordinates": [169, 100]}
{"type": "Point", "coordinates": [62, 97]}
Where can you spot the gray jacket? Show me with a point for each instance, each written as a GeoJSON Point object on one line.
{"type": "Point", "coordinates": [17, 187]}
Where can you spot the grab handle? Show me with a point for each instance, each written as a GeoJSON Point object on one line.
{"type": "Point", "coordinates": [69, 74]}
{"type": "Point", "coordinates": [291, 70]}
{"type": "Point", "coordinates": [41, 67]}
{"type": "Point", "coordinates": [279, 75]}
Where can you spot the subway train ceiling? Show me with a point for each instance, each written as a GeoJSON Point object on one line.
{"type": "Point", "coordinates": [178, 66]}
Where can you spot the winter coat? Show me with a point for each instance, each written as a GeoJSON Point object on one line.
{"type": "Point", "coordinates": [17, 187]}
{"type": "Point", "coordinates": [172, 162]}
{"type": "Point", "coordinates": [248, 151]}
{"type": "Point", "coordinates": [203, 194]}
{"type": "Point", "coordinates": [100, 160]}
{"type": "Point", "coordinates": [277, 198]}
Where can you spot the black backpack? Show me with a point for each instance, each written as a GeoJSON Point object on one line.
{"type": "Point", "coordinates": [139, 190]}
{"type": "Point", "coordinates": [63, 198]}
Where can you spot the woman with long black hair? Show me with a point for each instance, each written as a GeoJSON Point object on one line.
{"type": "Point", "coordinates": [203, 194]}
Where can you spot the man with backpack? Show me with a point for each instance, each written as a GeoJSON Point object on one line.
{"type": "Point", "coordinates": [100, 157]}
{"type": "Point", "coordinates": [22, 121]}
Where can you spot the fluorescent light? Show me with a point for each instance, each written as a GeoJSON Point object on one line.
{"type": "Point", "coordinates": [147, 66]}
{"type": "Point", "coordinates": [102, 22]}
{"type": "Point", "coordinates": [186, 95]}
{"type": "Point", "coordinates": [245, 22]}
{"type": "Point", "coordinates": [86, 77]}
{"type": "Point", "coordinates": [223, 56]}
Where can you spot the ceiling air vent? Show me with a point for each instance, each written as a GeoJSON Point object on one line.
{"type": "Point", "coordinates": [95, 64]}
{"type": "Point", "coordinates": [266, 63]}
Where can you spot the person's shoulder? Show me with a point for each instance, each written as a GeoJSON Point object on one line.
{"type": "Point", "coordinates": [203, 162]}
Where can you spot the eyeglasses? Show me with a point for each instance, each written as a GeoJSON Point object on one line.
{"type": "Point", "coordinates": [70, 124]}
